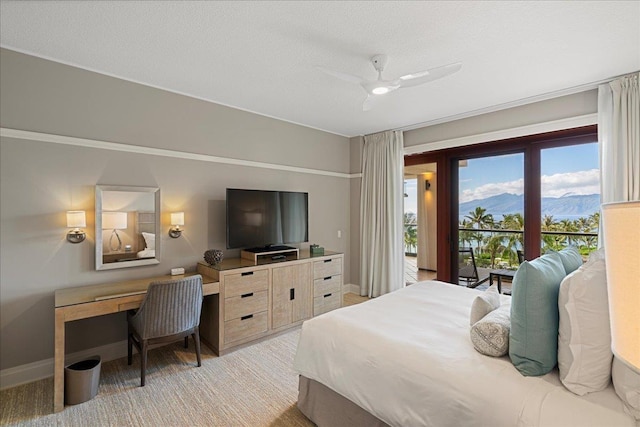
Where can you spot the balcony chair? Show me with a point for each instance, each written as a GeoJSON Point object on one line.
{"type": "Point", "coordinates": [169, 312]}
{"type": "Point", "coordinates": [467, 270]}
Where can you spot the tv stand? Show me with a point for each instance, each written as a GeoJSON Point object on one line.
{"type": "Point", "coordinates": [269, 248]}
{"type": "Point", "coordinates": [270, 253]}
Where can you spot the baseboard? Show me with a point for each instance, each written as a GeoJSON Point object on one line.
{"type": "Point", "coordinates": [41, 369]}
{"type": "Point", "coordinates": [350, 287]}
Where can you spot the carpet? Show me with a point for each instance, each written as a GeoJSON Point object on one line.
{"type": "Point", "coordinates": [253, 386]}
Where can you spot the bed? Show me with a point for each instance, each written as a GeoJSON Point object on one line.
{"type": "Point", "coordinates": [406, 359]}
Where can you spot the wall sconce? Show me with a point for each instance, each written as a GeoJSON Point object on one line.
{"type": "Point", "coordinates": [114, 221]}
{"type": "Point", "coordinates": [427, 185]}
{"type": "Point", "coordinates": [76, 220]}
{"type": "Point", "coordinates": [177, 219]}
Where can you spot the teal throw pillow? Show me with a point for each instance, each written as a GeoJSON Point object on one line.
{"type": "Point", "coordinates": [571, 259]}
{"type": "Point", "coordinates": [533, 339]}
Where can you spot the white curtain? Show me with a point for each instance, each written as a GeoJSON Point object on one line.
{"type": "Point", "coordinates": [381, 214]}
{"type": "Point", "coordinates": [619, 138]}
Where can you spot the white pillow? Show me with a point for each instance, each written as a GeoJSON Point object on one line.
{"type": "Point", "coordinates": [627, 385]}
{"type": "Point", "coordinates": [149, 240]}
{"type": "Point", "coordinates": [584, 336]}
{"type": "Point", "coordinates": [490, 335]}
{"type": "Point", "coordinates": [484, 304]}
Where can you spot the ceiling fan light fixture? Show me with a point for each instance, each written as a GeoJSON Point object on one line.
{"type": "Point", "coordinates": [380, 90]}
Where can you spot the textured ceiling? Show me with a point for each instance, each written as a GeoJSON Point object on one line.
{"type": "Point", "coordinates": [261, 56]}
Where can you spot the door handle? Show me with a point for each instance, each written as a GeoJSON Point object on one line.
{"type": "Point", "coordinates": [248, 316]}
{"type": "Point", "coordinates": [292, 294]}
{"type": "Point", "coordinates": [250, 294]}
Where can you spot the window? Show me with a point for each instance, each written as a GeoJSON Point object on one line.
{"type": "Point", "coordinates": [542, 157]}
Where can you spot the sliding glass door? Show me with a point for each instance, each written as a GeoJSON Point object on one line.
{"type": "Point", "coordinates": [514, 199]}
{"type": "Point", "coordinates": [490, 213]}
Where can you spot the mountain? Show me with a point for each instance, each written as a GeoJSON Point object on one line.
{"type": "Point", "coordinates": [565, 207]}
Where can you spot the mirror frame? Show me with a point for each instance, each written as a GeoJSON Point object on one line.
{"type": "Point", "coordinates": [100, 265]}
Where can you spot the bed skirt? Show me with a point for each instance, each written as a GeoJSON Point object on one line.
{"type": "Point", "coordinates": [325, 407]}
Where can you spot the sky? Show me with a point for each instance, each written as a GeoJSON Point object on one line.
{"type": "Point", "coordinates": [565, 170]}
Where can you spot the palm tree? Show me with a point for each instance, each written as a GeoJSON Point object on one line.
{"type": "Point", "coordinates": [550, 241]}
{"type": "Point", "coordinates": [569, 226]}
{"type": "Point", "coordinates": [410, 238]}
{"type": "Point", "coordinates": [515, 240]}
{"type": "Point", "coordinates": [494, 247]}
{"type": "Point", "coordinates": [465, 236]}
{"type": "Point", "coordinates": [481, 219]}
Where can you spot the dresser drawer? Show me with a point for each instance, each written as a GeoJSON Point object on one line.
{"type": "Point", "coordinates": [327, 285]}
{"type": "Point", "coordinates": [242, 305]}
{"type": "Point", "coordinates": [326, 302]}
{"type": "Point", "coordinates": [327, 267]}
{"type": "Point", "coordinates": [243, 327]}
{"type": "Point", "coordinates": [244, 283]}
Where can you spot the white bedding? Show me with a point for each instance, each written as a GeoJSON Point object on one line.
{"type": "Point", "coordinates": [406, 357]}
{"type": "Point", "coordinates": [147, 253]}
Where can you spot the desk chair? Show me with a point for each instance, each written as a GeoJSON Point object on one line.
{"type": "Point", "coordinates": [170, 311]}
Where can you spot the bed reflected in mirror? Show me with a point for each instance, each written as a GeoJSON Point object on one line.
{"type": "Point", "coordinates": [127, 223]}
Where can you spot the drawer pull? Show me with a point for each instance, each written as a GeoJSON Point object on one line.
{"type": "Point", "coordinates": [327, 260]}
{"type": "Point", "coordinates": [328, 278]}
{"type": "Point", "coordinates": [248, 316]}
{"type": "Point", "coordinates": [327, 295]}
{"type": "Point", "coordinates": [247, 273]}
{"type": "Point", "coordinates": [292, 294]}
{"type": "Point", "coordinates": [250, 294]}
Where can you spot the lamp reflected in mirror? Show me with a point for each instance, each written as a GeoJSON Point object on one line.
{"type": "Point", "coordinates": [76, 220]}
{"type": "Point", "coordinates": [177, 219]}
{"type": "Point", "coordinates": [114, 221]}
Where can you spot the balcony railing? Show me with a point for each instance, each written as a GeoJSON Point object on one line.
{"type": "Point", "coordinates": [512, 240]}
{"type": "Point", "coordinates": [504, 248]}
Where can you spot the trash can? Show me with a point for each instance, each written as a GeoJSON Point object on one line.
{"type": "Point", "coordinates": [81, 380]}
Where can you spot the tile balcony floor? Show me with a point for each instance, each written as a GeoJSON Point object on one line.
{"type": "Point", "coordinates": [412, 274]}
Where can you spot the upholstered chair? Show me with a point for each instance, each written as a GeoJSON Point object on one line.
{"type": "Point", "coordinates": [169, 312]}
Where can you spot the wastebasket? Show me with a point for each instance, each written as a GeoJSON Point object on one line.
{"type": "Point", "coordinates": [81, 380]}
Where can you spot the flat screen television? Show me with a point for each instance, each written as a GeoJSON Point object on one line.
{"type": "Point", "coordinates": [258, 219]}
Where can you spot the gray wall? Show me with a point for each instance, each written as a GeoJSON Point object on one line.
{"type": "Point", "coordinates": [40, 181]}
{"type": "Point", "coordinates": [563, 107]}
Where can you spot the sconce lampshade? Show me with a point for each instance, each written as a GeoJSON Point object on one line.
{"type": "Point", "coordinates": [621, 228]}
{"type": "Point", "coordinates": [177, 218]}
{"type": "Point", "coordinates": [76, 219]}
{"type": "Point", "coordinates": [114, 220]}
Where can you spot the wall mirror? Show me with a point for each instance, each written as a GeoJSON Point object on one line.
{"type": "Point", "coordinates": [127, 226]}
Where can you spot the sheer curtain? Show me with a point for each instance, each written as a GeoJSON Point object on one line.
{"type": "Point", "coordinates": [381, 216]}
{"type": "Point", "coordinates": [619, 138]}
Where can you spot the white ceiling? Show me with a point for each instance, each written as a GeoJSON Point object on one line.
{"type": "Point", "coordinates": [260, 56]}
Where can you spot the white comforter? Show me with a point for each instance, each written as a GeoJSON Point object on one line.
{"type": "Point", "coordinates": [406, 357]}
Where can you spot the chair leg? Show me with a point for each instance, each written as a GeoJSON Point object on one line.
{"type": "Point", "coordinates": [143, 362]}
{"type": "Point", "coordinates": [186, 341]}
{"type": "Point", "coordinates": [130, 349]}
{"type": "Point", "coordinates": [196, 339]}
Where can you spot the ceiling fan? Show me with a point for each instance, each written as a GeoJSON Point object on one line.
{"type": "Point", "coordinates": [375, 88]}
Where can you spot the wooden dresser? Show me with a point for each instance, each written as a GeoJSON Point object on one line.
{"type": "Point", "coordinates": [259, 300]}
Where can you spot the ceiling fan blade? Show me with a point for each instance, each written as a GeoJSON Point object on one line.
{"type": "Point", "coordinates": [421, 77]}
{"type": "Point", "coordinates": [340, 75]}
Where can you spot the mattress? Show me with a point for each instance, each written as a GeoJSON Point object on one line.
{"type": "Point", "coordinates": [406, 358]}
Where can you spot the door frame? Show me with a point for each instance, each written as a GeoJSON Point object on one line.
{"type": "Point", "coordinates": [447, 184]}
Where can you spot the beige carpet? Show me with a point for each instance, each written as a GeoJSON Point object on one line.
{"type": "Point", "coordinates": [253, 386]}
